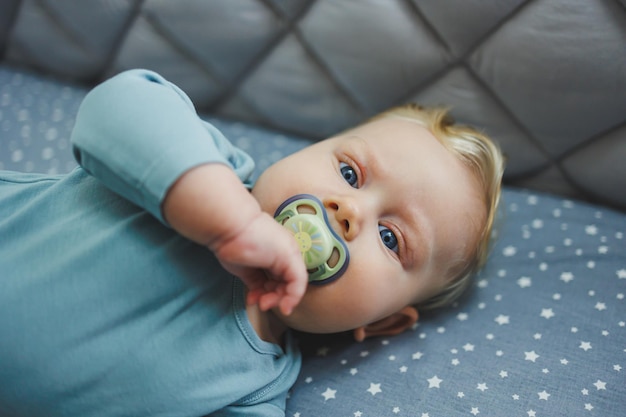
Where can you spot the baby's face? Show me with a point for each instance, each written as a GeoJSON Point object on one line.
{"type": "Point", "coordinates": [406, 207]}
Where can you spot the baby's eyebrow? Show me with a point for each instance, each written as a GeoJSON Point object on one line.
{"type": "Point", "coordinates": [364, 154]}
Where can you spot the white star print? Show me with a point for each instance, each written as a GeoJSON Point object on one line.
{"type": "Point", "coordinates": [434, 382]}
{"type": "Point", "coordinates": [591, 230]}
{"type": "Point", "coordinates": [543, 395]}
{"type": "Point", "coordinates": [329, 394]}
{"type": "Point", "coordinates": [524, 282]}
{"type": "Point", "coordinates": [603, 249]}
{"type": "Point", "coordinates": [600, 385]}
{"type": "Point", "coordinates": [509, 251]}
{"type": "Point", "coordinates": [502, 319]}
{"type": "Point", "coordinates": [567, 277]}
{"type": "Point", "coordinates": [374, 388]}
{"type": "Point", "coordinates": [494, 305]}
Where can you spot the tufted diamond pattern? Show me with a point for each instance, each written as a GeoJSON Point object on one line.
{"type": "Point", "coordinates": [546, 78]}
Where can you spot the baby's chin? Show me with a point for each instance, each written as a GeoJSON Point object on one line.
{"type": "Point", "coordinates": [316, 318]}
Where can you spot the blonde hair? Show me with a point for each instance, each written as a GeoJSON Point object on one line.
{"type": "Point", "coordinates": [485, 160]}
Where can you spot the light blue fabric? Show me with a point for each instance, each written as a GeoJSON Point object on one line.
{"type": "Point", "coordinates": [104, 311]}
{"type": "Point", "coordinates": [138, 133]}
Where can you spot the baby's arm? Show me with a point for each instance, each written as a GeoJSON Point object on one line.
{"type": "Point", "coordinates": [141, 136]}
{"type": "Point", "coordinates": [246, 240]}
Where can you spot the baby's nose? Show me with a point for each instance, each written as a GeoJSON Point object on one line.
{"type": "Point", "coordinates": [346, 214]}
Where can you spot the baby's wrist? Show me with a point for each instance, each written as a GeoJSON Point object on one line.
{"type": "Point", "coordinates": [209, 204]}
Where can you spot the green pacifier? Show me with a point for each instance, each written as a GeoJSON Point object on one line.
{"type": "Point", "coordinates": [324, 253]}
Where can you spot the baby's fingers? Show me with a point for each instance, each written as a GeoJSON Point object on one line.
{"type": "Point", "coordinates": [293, 284]}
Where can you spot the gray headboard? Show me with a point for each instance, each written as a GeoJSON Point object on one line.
{"type": "Point", "coordinates": [545, 78]}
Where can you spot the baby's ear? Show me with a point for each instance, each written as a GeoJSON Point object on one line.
{"type": "Point", "coordinates": [389, 326]}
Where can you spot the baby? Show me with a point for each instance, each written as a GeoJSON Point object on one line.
{"type": "Point", "coordinates": [111, 304]}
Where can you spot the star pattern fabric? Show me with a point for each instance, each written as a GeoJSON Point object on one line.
{"type": "Point", "coordinates": [542, 333]}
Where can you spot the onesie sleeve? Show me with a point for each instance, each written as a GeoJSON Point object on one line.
{"type": "Point", "coordinates": [138, 133]}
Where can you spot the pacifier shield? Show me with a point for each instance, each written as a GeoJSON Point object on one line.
{"type": "Point", "coordinates": [324, 253]}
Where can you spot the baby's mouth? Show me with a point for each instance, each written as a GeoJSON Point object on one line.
{"type": "Point", "coordinates": [324, 252]}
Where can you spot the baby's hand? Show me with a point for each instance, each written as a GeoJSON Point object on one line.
{"type": "Point", "coordinates": [266, 258]}
{"type": "Point", "coordinates": [210, 206]}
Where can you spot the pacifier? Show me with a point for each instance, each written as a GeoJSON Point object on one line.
{"type": "Point", "coordinates": [325, 255]}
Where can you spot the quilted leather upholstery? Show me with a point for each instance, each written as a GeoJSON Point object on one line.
{"type": "Point", "coordinates": [546, 78]}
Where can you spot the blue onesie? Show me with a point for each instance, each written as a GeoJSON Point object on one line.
{"type": "Point", "coordinates": [104, 310]}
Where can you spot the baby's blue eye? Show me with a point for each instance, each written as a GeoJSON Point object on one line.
{"type": "Point", "coordinates": [389, 238]}
{"type": "Point", "coordinates": [349, 174]}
